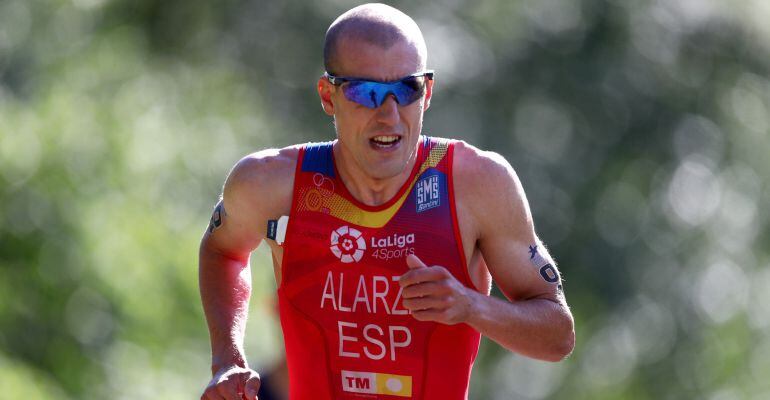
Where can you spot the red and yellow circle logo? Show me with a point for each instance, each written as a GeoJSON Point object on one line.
{"type": "Point", "coordinates": [348, 244]}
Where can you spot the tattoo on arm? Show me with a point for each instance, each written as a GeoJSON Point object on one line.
{"type": "Point", "coordinates": [216, 217]}
{"type": "Point", "coordinates": [547, 270]}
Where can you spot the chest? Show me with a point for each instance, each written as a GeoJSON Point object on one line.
{"type": "Point", "coordinates": [392, 244]}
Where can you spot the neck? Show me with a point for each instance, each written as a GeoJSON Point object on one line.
{"type": "Point", "coordinates": [370, 190]}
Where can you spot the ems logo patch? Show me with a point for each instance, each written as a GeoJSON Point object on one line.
{"type": "Point", "coordinates": [428, 193]}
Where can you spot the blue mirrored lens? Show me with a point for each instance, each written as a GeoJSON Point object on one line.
{"type": "Point", "coordinates": [373, 94]}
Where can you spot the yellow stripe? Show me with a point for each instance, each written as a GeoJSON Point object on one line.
{"type": "Point", "coordinates": [323, 200]}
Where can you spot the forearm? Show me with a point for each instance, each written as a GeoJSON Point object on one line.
{"type": "Point", "coordinates": [537, 328]}
{"type": "Point", "coordinates": [225, 288]}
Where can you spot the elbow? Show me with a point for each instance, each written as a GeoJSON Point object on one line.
{"type": "Point", "coordinates": [564, 348]}
{"type": "Point", "coordinates": [564, 342]}
{"type": "Point", "coordinates": [561, 350]}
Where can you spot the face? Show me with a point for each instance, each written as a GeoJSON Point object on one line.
{"type": "Point", "coordinates": [381, 142]}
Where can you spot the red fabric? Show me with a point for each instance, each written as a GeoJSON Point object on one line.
{"type": "Point", "coordinates": [346, 332]}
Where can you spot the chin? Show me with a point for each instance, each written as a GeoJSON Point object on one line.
{"type": "Point", "coordinates": [387, 170]}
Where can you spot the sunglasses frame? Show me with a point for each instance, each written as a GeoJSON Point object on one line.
{"type": "Point", "coordinates": [338, 81]}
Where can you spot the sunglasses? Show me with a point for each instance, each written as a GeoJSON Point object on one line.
{"type": "Point", "coordinates": [372, 94]}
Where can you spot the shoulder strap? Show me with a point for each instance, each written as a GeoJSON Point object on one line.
{"type": "Point", "coordinates": [318, 157]}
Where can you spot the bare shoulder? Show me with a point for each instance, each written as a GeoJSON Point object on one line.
{"type": "Point", "coordinates": [262, 180]}
{"type": "Point", "coordinates": [265, 167]}
{"type": "Point", "coordinates": [486, 176]}
{"type": "Point", "coordinates": [478, 163]}
{"type": "Point", "coordinates": [487, 185]}
{"type": "Point", "coordinates": [259, 187]}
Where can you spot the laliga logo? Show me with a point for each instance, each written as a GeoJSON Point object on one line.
{"type": "Point", "coordinates": [347, 244]}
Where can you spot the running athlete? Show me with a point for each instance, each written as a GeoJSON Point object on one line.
{"type": "Point", "coordinates": [385, 242]}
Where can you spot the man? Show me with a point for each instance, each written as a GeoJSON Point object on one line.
{"type": "Point", "coordinates": [385, 265]}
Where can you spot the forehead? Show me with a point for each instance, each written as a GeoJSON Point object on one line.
{"type": "Point", "coordinates": [363, 59]}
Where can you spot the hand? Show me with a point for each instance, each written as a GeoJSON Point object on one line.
{"type": "Point", "coordinates": [434, 294]}
{"type": "Point", "coordinates": [233, 383]}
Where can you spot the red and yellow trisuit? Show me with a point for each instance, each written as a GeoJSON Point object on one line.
{"type": "Point", "coordinates": [346, 332]}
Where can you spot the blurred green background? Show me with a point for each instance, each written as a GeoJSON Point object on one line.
{"type": "Point", "coordinates": [640, 130]}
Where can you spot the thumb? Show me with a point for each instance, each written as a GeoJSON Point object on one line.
{"type": "Point", "coordinates": [251, 388]}
{"type": "Point", "coordinates": [414, 262]}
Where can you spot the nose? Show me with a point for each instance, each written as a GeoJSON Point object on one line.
{"type": "Point", "coordinates": [387, 112]}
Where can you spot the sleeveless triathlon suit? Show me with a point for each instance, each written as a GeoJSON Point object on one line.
{"type": "Point", "coordinates": [346, 332]}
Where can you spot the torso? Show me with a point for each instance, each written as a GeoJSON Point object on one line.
{"type": "Point", "coordinates": [326, 361]}
{"type": "Point", "coordinates": [477, 269]}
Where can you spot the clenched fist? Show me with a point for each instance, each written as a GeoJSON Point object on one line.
{"type": "Point", "coordinates": [434, 294]}
{"type": "Point", "coordinates": [233, 383]}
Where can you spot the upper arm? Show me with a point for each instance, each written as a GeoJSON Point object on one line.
{"type": "Point", "coordinates": [258, 188]}
{"type": "Point", "coordinates": [504, 228]}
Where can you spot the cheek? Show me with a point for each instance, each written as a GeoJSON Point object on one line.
{"type": "Point", "coordinates": [412, 116]}
{"type": "Point", "coordinates": [349, 121]}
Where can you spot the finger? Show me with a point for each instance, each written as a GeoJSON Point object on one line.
{"type": "Point", "coordinates": [413, 262]}
{"type": "Point", "coordinates": [420, 275]}
{"type": "Point", "coordinates": [251, 388]}
{"type": "Point", "coordinates": [228, 389]}
{"type": "Point", "coordinates": [423, 289]}
{"type": "Point", "coordinates": [211, 394]}
{"type": "Point", "coordinates": [425, 303]}
{"type": "Point", "coordinates": [428, 315]}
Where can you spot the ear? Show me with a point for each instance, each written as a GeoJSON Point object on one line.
{"type": "Point", "coordinates": [325, 89]}
{"type": "Point", "coordinates": [428, 92]}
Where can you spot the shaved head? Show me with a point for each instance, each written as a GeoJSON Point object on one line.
{"type": "Point", "coordinates": [377, 24]}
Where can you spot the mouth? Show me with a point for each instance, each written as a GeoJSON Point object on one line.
{"type": "Point", "coordinates": [385, 141]}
